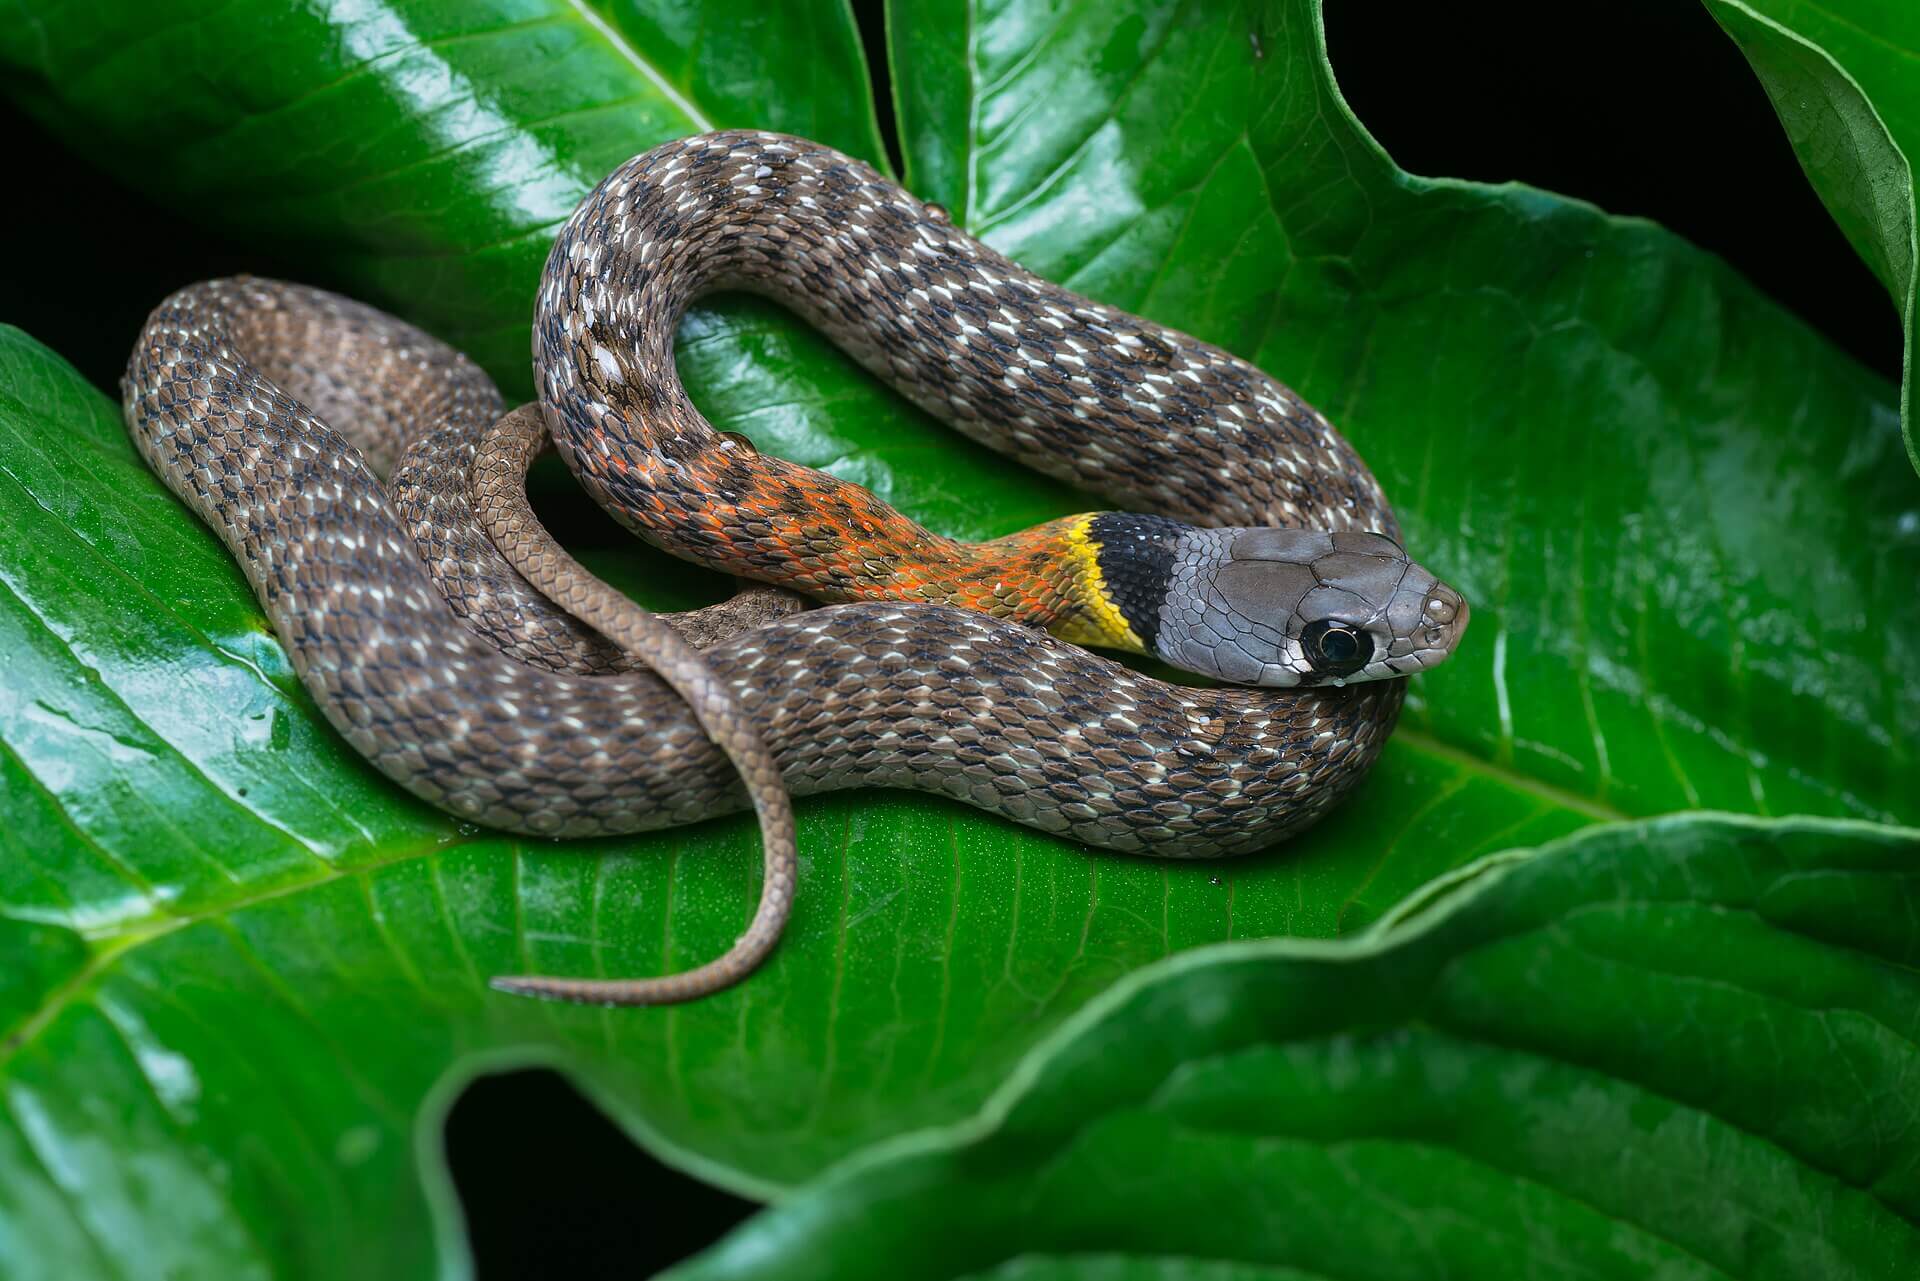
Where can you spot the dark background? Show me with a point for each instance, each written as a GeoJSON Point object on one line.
{"type": "Point", "coordinates": [1649, 111]}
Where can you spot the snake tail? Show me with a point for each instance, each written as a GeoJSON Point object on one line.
{"type": "Point", "coordinates": [506, 450]}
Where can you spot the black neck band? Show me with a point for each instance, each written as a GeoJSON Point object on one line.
{"type": "Point", "coordinates": [1136, 563]}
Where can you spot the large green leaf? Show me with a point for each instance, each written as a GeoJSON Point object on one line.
{"type": "Point", "coordinates": [1842, 78]}
{"type": "Point", "coordinates": [1679, 514]}
{"type": "Point", "coordinates": [1592, 427]}
{"type": "Point", "coordinates": [1682, 1049]}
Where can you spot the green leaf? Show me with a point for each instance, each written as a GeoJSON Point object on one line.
{"type": "Point", "coordinates": [1675, 1049]}
{"type": "Point", "coordinates": [1591, 425]}
{"type": "Point", "coordinates": [1842, 79]}
{"type": "Point", "coordinates": [233, 950]}
{"type": "Point", "coordinates": [423, 150]}
{"type": "Point", "coordinates": [1680, 516]}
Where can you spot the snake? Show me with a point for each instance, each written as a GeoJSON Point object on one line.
{"type": "Point", "coordinates": [370, 484]}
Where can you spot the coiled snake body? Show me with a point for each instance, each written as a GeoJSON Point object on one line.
{"type": "Point", "coordinates": [462, 682]}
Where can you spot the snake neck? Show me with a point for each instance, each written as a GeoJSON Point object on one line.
{"type": "Point", "coordinates": [1122, 567]}
{"type": "Point", "coordinates": [1098, 578]}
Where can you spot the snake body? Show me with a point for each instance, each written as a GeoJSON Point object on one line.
{"type": "Point", "coordinates": [1085, 392]}
{"type": "Point", "coordinates": [458, 678]}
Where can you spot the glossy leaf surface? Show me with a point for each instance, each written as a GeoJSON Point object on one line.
{"type": "Point", "coordinates": [1682, 518]}
{"type": "Point", "coordinates": [1676, 1049]}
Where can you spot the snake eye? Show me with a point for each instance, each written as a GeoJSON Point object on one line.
{"type": "Point", "coordinates": [1335, 649]}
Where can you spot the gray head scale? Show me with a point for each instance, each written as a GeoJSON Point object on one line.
{"type": "Point", "coordinates": [1297, 607]}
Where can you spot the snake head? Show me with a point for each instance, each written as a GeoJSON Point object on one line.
{"type": "Point", "coordinates": [1297, 607]}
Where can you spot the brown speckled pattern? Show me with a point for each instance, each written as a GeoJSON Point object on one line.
{"type": "Point", "coordinates": [992, 713]}
{"type": "Point", "coordinates": [465, 686]}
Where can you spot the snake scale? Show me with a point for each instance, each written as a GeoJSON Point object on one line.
{"type": "Point", "coordinates": [1264, 553]}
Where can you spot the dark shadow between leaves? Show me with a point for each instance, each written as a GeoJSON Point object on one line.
{"type": "Point", "coordinates": [1648, 111]}
{"type": "Point", "coordinates": [549, 1186]}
